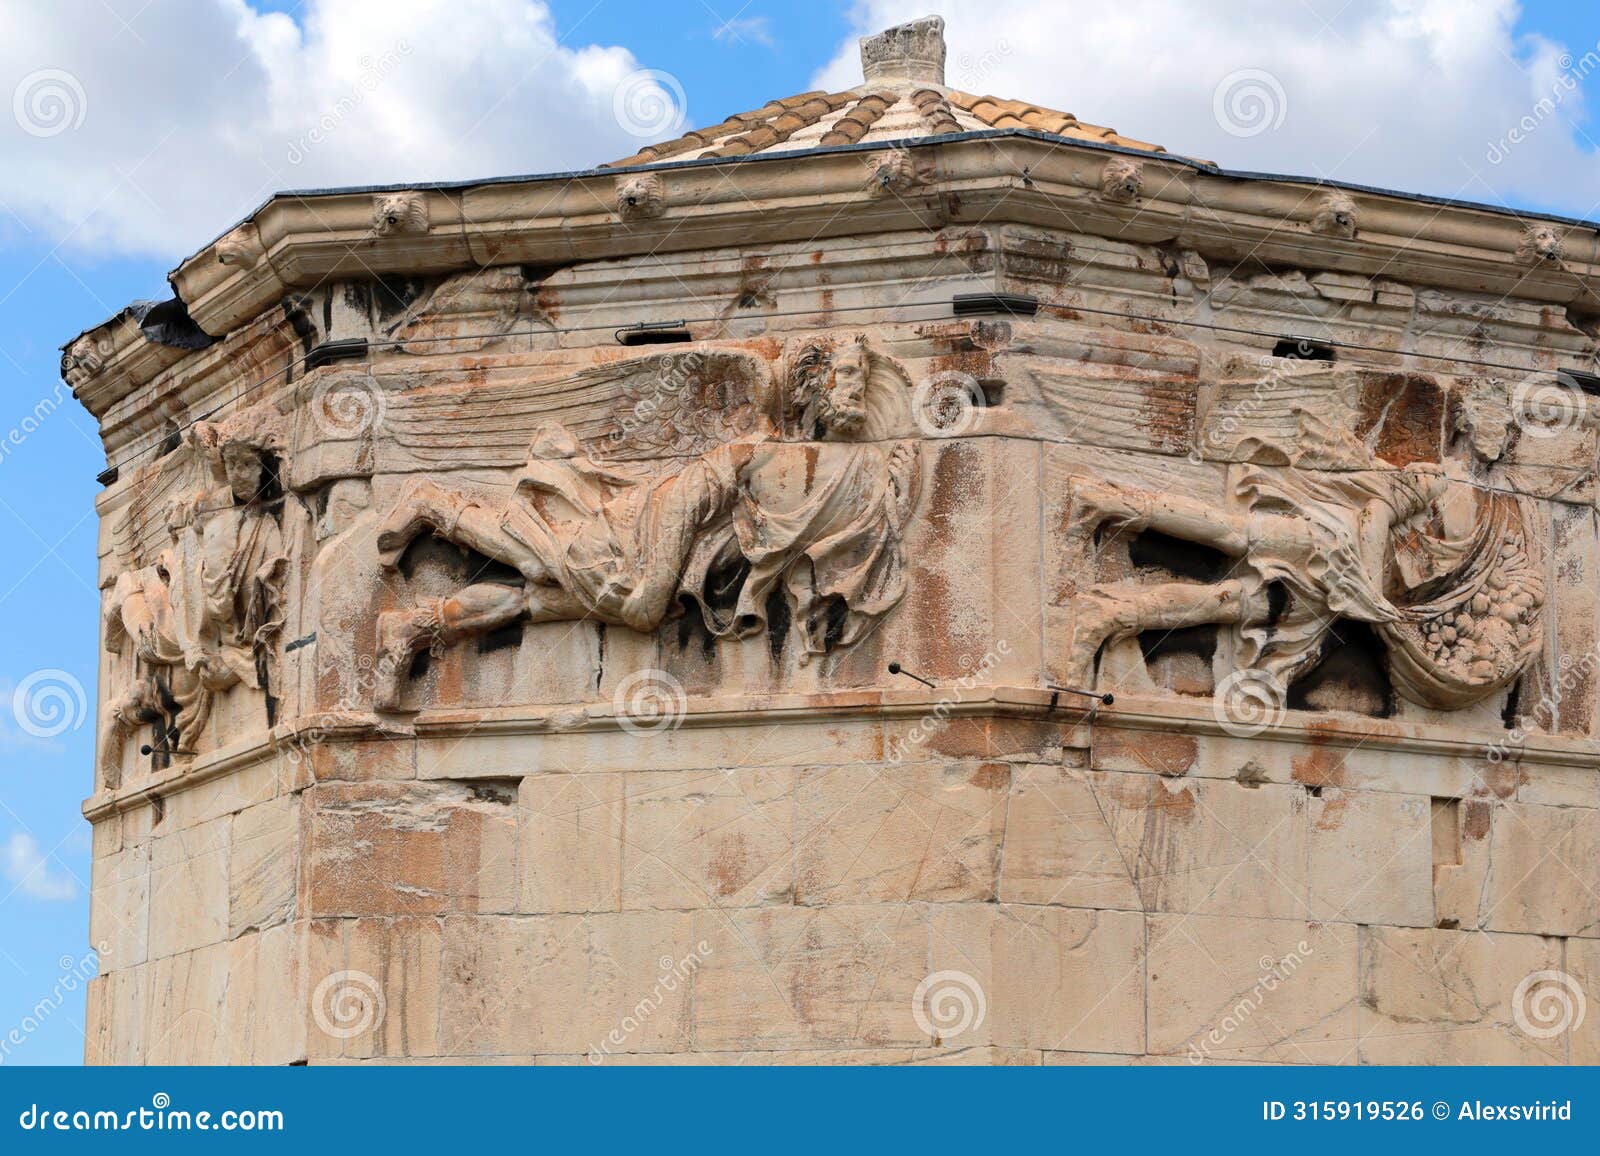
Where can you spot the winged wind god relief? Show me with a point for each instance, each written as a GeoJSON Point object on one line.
{"type": "Point", "coordinates": [198, 606]}
{"type": "Point", "coordinates": [716, 486]}
{"type": "Point", "coordinates": [1448, 574]}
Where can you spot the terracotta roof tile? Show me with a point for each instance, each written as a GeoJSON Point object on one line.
{"type": "Point", "coordinates": [776, 121]}
{"type": "Point", "coordinates": [998, 113]}
{"type": "Point", "coordinates": [786, 117]}
{"type": "Point", "coordinates": [853, 125]}
{"type": "Point", "coordinates": [935, 109]}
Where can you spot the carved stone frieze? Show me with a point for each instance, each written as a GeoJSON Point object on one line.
{"type": "Point", "coordinates": [1096, 606]}
{"type": "Point", "coordinates": [1459, 613]}
{"type": "Point", "coordinates": [200, 605]}
{"type": "Point", "coordinates": [802, 495]}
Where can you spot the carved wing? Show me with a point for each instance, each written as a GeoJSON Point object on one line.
{"type": "Point", "coordinates": [467, 313]}
{"type": "Point", "coordinates": [142, 532]}
{"type": "Point", "coordinates": [662, 406]}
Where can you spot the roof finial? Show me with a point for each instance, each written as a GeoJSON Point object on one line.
{"type": "Point", "coordinates": [913, 51]}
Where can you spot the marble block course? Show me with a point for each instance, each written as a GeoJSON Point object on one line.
{"type": "Point", "coordinates": [799, 594]}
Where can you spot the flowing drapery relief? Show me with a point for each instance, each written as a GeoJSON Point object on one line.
{"type": "Point", "coordinates": [756, 495]}
{"type": "Point", "coordinates": [1448, 574]}
{"type": "Point", "coordinates": [200, 607]}
{"type": "Point", "coordinates": [797, 490]}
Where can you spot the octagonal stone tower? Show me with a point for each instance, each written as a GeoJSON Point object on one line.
{"type": "Point", "coordinates": [894, 576]}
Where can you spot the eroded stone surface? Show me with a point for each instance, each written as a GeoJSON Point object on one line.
{"type": "Point", "coordinates": [521, 685]}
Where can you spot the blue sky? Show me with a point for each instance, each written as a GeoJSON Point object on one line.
{"type": "Point", "coordinates": [80, 237]}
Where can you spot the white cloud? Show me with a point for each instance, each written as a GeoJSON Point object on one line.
{"type": "Point", "coordinates": [27, 867]}
{"type": "Point", "coordinates": [194, 111]}
{"type": "Point", "coordinates": [739, 30]}
{"type": "Point", "coordinates": [1405, 94]}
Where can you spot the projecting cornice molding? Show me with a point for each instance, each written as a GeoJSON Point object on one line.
{"type": "Point", "coordinates": [300, 240]}
{"type": "Point", "coordinates": [465, 744]}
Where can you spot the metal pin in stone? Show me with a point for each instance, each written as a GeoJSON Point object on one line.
{"type": "Point", "coordinates": [1106, 699]}
{"type": "Point", "coordinates": [896, 668]}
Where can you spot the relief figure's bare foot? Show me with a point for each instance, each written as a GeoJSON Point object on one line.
{"type": "Point", "coordinates": [1101, 503]}
{"type": "Point", "coordinates": [401, 633]}
{"type": "Point", "coordinates": [1098, 618]}
{"type": "Point", "coordinates": [399, 530]}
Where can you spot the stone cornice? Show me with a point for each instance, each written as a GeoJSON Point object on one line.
{"type": "Point", "coordinates": [1164, 715]}
{"type": "Point", "coordinates": [298, 240]}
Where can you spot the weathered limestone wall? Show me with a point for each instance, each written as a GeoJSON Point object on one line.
{"type": "Point", "coordinates": [758, 854]}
